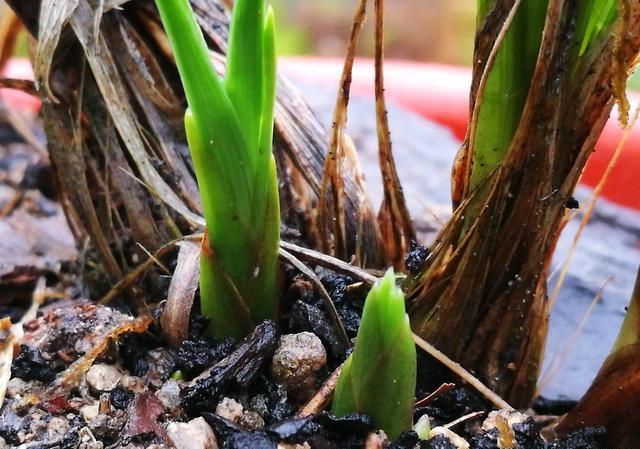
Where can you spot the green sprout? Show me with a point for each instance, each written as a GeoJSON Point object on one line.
{"type": "Point", "coordinates": [379, 377]}
{"type": "Point", "coordinates": [229, 127]}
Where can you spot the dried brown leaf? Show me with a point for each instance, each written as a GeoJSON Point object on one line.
{"type": "Point", "coordinates": [396, 226]}
{"type": "Point", "coordinates": [54, 14]}
{"type": "Point", "coordinates": [184, 283]}
{"type": "Point", "coordinates": [331, 213]}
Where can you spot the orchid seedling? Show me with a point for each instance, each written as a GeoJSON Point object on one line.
{"type": "Point", "coordinates": [379, 377]}
{"type": "Point", "coordinates": [229, 128]}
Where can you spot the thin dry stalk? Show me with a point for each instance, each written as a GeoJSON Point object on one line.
{"type": "Point", "coordinates": [331, 213]}
{"type": "Point", "coordinates": [396, 226]}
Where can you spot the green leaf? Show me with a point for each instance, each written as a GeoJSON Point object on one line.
{"type": "Point", "coordinates": [507, 86]}
{"type": "Point", "coordinates": [244, 73]}
{"type": "Point", "coordinates": [379, 377]}
{"type": "Point", "coordinates": [229, 127]}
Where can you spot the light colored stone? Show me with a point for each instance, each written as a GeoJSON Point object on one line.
{"type": "Point", "coordinates": [196, 434]}
{"type": "Point", "coordinates": [296, 362]}
{"type": "Point", "coordinates": [169, 395]}
{"type": "Point", "coordinates": [89, 412]}
{"type": "Point", "coordinates": [230, 409]}
{"type": "Point", "coordinates": [15, 387]}
{"type": "Point", "coordinates": [88, 441]}
{"type": "Point", "coordinates": [455, 439]}
{"type": "Point", "coordinates": [133, 384]}
{"type": "Point", "coordinates": [57, 427]}
{"type": "Point", "coordinates": [103, 377]}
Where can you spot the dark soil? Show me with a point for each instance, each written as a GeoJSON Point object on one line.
{"type": "Point", "coordinates": [136, 386]}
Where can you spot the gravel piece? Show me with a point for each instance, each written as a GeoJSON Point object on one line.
{"type": "Point", "coordinates": [169, 395]}
{"type": "Point", "coordinates": [230, 409]}
{"type": "Point", "coordinates": [196, 434]}
{"type": "Point", "coordinates": [89, 412]}
{"type": "Point", "coordinates": [120, 398]}
{"type": "Point", "coordinates": [103, 377]}
{"type": "Point", "coordinates": [251, 420]}
{"type": "Point", "coordinates": [296, 361]}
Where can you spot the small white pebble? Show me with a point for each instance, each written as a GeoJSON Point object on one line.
{"type": "Point", "coordinates": [15, 387]}
{"type": "Point", "coordinates": [229, 409]}
{"type": "Point", "coordinates": [103, 377]}
{"type": "Point", "coordinates": [89, 412]}
{"type": "Point", "coordinates": [196, 434]}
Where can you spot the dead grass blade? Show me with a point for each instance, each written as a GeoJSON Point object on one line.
{"type": "Point", "coordinates": [462, 373]}
{"type": "Point", "coordinates": [54, 14]}
{"type": "Point", "coordinates": [326, 261]}
{"type": "Point", "coordinates": [322, 397]}
{"type": "Point", "coordinates": [592, 202]}
{"type": "Point", "coordinates": [395, 223]}
{"type": "Point", "coordinates": [119, 106]}
{"type": "Point", "coordinates": [68, 163]}
{"type": "Point", "coordinates": [70, 378]}
{"type": "Point", "coordinates": [326, 298]}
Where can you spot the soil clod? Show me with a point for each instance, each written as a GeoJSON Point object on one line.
{"type": "Point", "coordinates": [238, 369]}
{"type": "Point", "coordinates": [31, 365]}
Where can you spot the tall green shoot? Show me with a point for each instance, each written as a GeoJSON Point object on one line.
{"type": "Point", "coordinates": [229, 127]}
{"type": "Point", "coordinates": [379, 377]}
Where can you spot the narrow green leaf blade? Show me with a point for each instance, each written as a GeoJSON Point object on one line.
{"type": "Point", "coordinates": [244, 73]}
{"type": "Point", "coordinates": [507, 87]}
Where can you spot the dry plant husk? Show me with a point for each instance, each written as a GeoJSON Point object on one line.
{"type": "Point", "coordinates": [394, 226]}
{"type": "Point", "coordinates": [613, 399]}
{"type": "Point", "coordinates": [481, 297]}
{"type": "Point", "coordinates": [112, 110]}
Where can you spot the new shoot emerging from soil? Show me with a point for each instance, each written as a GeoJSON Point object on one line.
{"type": "Point", "coordinates": [379, 377]}
{"type": "Point", "coordinates": [229, 127]}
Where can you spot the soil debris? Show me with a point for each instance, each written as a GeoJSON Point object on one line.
{"type": "Point", "coordinates": [238, 369]}
{"type": "Point", "coordinates": [143, 424]}
{"type": "Point", "coordinates": [31, 365]}
{"type": "Point", "coordinates": [198, 354]}
{"type": "Point", "coordinates": [415, 257]}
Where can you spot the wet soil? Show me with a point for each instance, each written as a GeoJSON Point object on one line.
{"type": "Point", "coordinates": [91, 376]}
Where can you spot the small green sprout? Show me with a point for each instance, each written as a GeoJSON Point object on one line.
{"type": "Point", "coordinates": [379, 377]}
{"type": "Point", "coordinates": [423, 427]}
{"type": "Point", "coordinates": [229, 127]}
